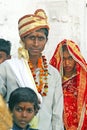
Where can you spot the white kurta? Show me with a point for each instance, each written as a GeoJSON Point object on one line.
{"type": "Point", "coordinates": [50, 114]}
{"type": "Point", "coordinates": [16, 73]}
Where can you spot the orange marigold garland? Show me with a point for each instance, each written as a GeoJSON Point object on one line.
{"type": "Point", "coordinates": [42, 86]}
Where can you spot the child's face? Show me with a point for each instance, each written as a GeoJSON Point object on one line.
{"type": "Point", "coordinates": [3, 56]}
{"type": "Point", "coordinates": [23, 114]}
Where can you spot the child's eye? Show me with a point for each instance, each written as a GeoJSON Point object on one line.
{"type": "Point", "coordinates": [30, 110]}
{"type": "Point", "coordinates": [18, 109]}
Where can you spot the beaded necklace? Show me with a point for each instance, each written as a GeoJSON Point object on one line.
{"type": "Point", "coordinates": [42, 85]}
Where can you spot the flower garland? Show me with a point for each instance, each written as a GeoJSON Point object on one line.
{"type": "Point", "coordinates": [42, 86]}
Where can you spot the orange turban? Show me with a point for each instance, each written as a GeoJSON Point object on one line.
{"type": "Point", "coordinates": [31, 22]}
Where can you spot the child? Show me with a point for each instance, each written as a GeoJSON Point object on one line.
{"type": "Point", "coordinates": [24, 105]}
{"type": "Point", "coordinates": [5, 48]}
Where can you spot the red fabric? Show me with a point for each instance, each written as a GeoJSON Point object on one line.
{"type": "Point", "coordinates": [84, 124]}
{"type": "Point", "coordinates": [70, 103]}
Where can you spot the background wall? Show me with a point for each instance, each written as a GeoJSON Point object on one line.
{"type": "Point", "coordinates": [67, 19]}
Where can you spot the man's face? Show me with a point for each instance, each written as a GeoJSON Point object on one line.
{"type": "Point", "coordinates": [68, 63]}
{"type": "Point", "coordinates": [23, 114]}
{"type": "Point", "coordinates": [3, 56]}
{"type": "Point", "coordinates": [35, 42]}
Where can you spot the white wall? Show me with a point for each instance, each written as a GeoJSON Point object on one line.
{"type": "Point", "coordinates": [66, 17]}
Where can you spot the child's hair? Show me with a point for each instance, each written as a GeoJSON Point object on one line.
{"type": "Point", "coordinates": [5, 46]}
{"type": "Point", "coordinates": [23, 94]}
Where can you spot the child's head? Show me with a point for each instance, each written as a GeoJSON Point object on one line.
{"type": "Point", "coordinates": [5, 48]}
{"type": "Point", "coordinates": [24, 104]}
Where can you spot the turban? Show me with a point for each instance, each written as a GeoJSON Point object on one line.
{"type": "Point", "coordinates": [31, 22]}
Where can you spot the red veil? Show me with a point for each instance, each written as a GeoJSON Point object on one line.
{"type": "Point", "coordinates": [81, 68]}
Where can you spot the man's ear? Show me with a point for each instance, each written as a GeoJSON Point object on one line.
{"type": "Point", "coordinates": [9, 57]}
{"type": "Point", "coordinates": [47, 39]}
{"type": "Point", "coordinates": [23, 39]}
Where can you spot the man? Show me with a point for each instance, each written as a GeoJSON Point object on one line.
{"type": "Point", "coordinates": [68, 60]}
{"type": "Point", "coordinates": [5, 48]}
{"type": "Point", "coordinates": [31, 69]}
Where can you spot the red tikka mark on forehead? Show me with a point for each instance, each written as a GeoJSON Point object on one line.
{"type": "Point", "coordinates": [24, 108]}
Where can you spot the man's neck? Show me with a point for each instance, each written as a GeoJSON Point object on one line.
{"type": "Point", "coordinates": [34, 60]}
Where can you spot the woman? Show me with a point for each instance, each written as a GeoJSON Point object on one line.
{"type": "Point", "coordinates": [68, 60]}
